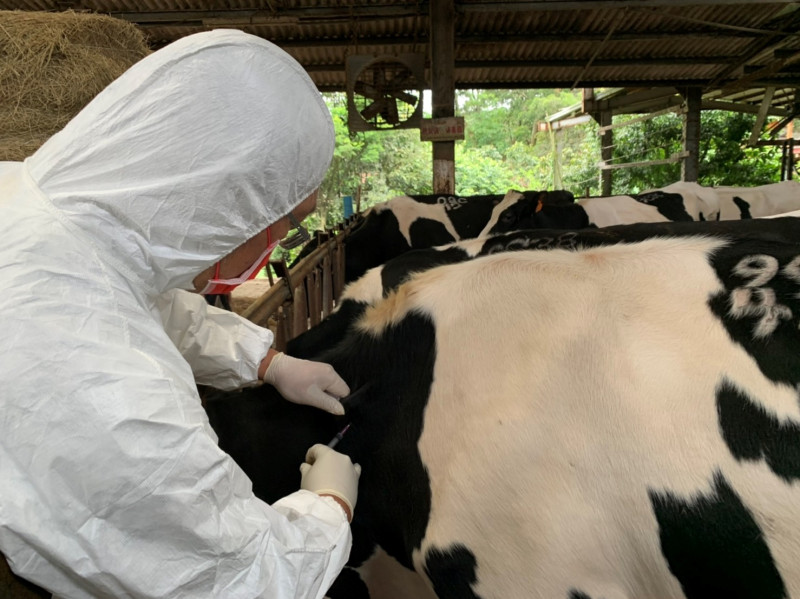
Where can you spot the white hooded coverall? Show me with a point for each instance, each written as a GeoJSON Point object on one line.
{"type": "Point", "coordinates": [112, 481]}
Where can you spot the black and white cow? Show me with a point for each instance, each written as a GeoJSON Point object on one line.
{"type": "Point", "coordinates": [677, 202]}
{"type": "Point", "coordinates": [617, 417]}
{"type": "Point", "coordinates": [422, 221]}
{"type": "Point", "coordinates": [731, 203]}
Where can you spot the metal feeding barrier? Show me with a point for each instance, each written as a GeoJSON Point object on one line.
{"type": "Point", "coordinates": [301, 296]}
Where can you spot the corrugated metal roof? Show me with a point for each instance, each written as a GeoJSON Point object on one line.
{"type": "Point", "coordinates": [537, 43]}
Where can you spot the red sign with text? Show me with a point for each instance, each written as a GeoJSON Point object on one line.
{"type": "Point", "coordinates": [444, 129]}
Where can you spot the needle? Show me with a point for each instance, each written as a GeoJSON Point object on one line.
{"type": "Point", "coordinates": [338, 436]}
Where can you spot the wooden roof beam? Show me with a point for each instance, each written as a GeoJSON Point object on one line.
{"type": "Point", "coordinates": [739, 107]}
{"type": "Point", "coordinates": [766, 71]}
{"type": "Point", "coordinates": [265, 16]}
{"type": "Point", "coordinates": [761, 116]}
{"type": "Point", "coordinates": [461, 40]}
{"type": "Point", "coordinates": [600, 62]}
{"type": "Point", "coordinates": [554, 5]}
{"type": "Point", "coordinates": [772, 42]}
{"type": "Point", "coordinates": [540, 84]}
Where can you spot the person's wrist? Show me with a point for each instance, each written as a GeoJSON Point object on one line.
{"type": "Point", "coordinates": [342, 504]}
{"type": "Point", "coordinates": [262, 368]}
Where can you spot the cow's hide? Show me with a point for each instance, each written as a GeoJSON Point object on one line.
{"type": "Point", "coordinates": [677, 202]}
{"type": "Point", "coordinates": [614, 418]}
{"type": "Point", "coordinates": [413, 222]}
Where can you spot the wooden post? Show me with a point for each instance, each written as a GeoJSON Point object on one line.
{"type": "Point", "coordinates": [327, 285]}
{"type": "Point", "coordinates": [315, 297]}
{"type": "Point", "coordinates": [300, 309]}
{"type": "Point", "coordinates": [606, 151]}
{"type": "Point", "coordinates": [690, 166]}
{"type": "Point", "coordinates": [442, 18]}
{"type": "Point", "coordinates": [338, 267]}
{"type": "Point", "coordinates": [281, 329]}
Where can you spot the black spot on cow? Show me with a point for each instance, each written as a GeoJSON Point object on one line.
{"type": "Point", "coordinates": [573, 594]}
{"type": "Point", "coordinates": [558, 197]}
{"type": "Point", "coordinates": [375, 241]}
{"type": "Point", "coordinates": [257, 422]}
{"type": "Point", "coordinates": [378, 239]}
{"type": "Point", "coordinates": [753, 435]}
{"type": "Point", "coordinates": [468, 214]}
{"type": "Point", "coordinates": [760, 303]}
{"type": "Point", "coordinates": [329, 332]}
{"type": "Point", "coordinates": [670, 205]}
{"type": "Point", "coordinates": [744, 207]}
{"type": "Point", "coordinates": [714, 547]}
{"type": "Point", "coordinates": [348, 585]}
{"type": "Point", "coordinates": [452, 572]}
{"type": "Point", "coordinates": [423, 230]}
{"type": "Point", "coordinates": [544, 210]}
{"type": "Point", "coordinates": [383, 436]}
{"type": "Point", "coordinates": [397, 271]}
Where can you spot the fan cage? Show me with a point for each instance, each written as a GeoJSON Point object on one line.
{"type": "Point", "coordinates": [384, 93]}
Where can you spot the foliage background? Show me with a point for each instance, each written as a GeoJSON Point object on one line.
{"type": "Point", "coordinates": [504, 149]}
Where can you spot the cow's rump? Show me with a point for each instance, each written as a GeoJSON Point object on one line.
{"type": "Point", "coordinates": [615, 417]}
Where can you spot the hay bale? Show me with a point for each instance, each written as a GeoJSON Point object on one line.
{"type": "Point", "coordinates": [51, 66]}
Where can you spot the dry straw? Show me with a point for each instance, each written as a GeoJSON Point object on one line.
{"type": "Point", "coordinates": [51, 66]}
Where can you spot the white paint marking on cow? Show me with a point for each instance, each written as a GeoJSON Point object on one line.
{"type": "Point", "coordinates": [543, 474]}
{"type": "Point", "coordinates": [753, 299]}
{"type": "Point", "coordinates": [792, 272]}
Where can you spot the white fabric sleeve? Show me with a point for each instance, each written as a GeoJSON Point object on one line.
{"type": "Point", "coordinates": [192, 528]}
{"type": "Point", "coordinates": [223, 349]}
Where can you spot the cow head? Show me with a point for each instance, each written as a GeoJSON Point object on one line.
{"type": "Point", "coordinates": [527, 210]}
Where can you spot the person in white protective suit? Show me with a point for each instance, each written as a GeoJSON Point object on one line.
{"type": "Point", "coordinates": [178, 175]}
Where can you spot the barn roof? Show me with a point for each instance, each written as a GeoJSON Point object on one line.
{"type": "Point", "coordinates": [544, 43]}
{"type": "Point", "coordinates": [736, 47]}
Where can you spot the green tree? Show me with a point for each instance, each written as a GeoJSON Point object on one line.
{"type": "Point", "coordinates": [504, 149]}
{"type": "Point", "coordinates": [724, 158]}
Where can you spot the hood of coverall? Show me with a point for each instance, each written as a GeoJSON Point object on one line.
{"type": "Point", "coordinates": [192, 151]}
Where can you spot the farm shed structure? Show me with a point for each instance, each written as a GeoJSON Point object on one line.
{"type": "Point", "coordinates": [742, 54]}
{"type": "Point", "coordinates": [739, 55]}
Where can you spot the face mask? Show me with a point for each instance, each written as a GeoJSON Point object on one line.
{"type": "Point", "coordinates": [216, 286]}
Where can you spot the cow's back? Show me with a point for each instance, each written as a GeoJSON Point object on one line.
{"type": "Point", "coordinates": [584, 430]}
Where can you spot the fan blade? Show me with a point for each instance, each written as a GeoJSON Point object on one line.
{"type": "Point", "coordinates": [406, 97]}
{"type": "Point", "coordinates": [379, 77]}
{"type": "Point", "coordinates": [371, 111]}
{"type": "Point", "coordinates": [390, 113]}
{"type": "Point", "coordinates": [366, 90]}
{"type": "Point", "coordinates": [405, 80]}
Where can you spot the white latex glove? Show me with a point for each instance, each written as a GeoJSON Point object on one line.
{"type": "Point", "coordinates": [328, 472]}
{"type": "Point", "coordinates": [305, 382]}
